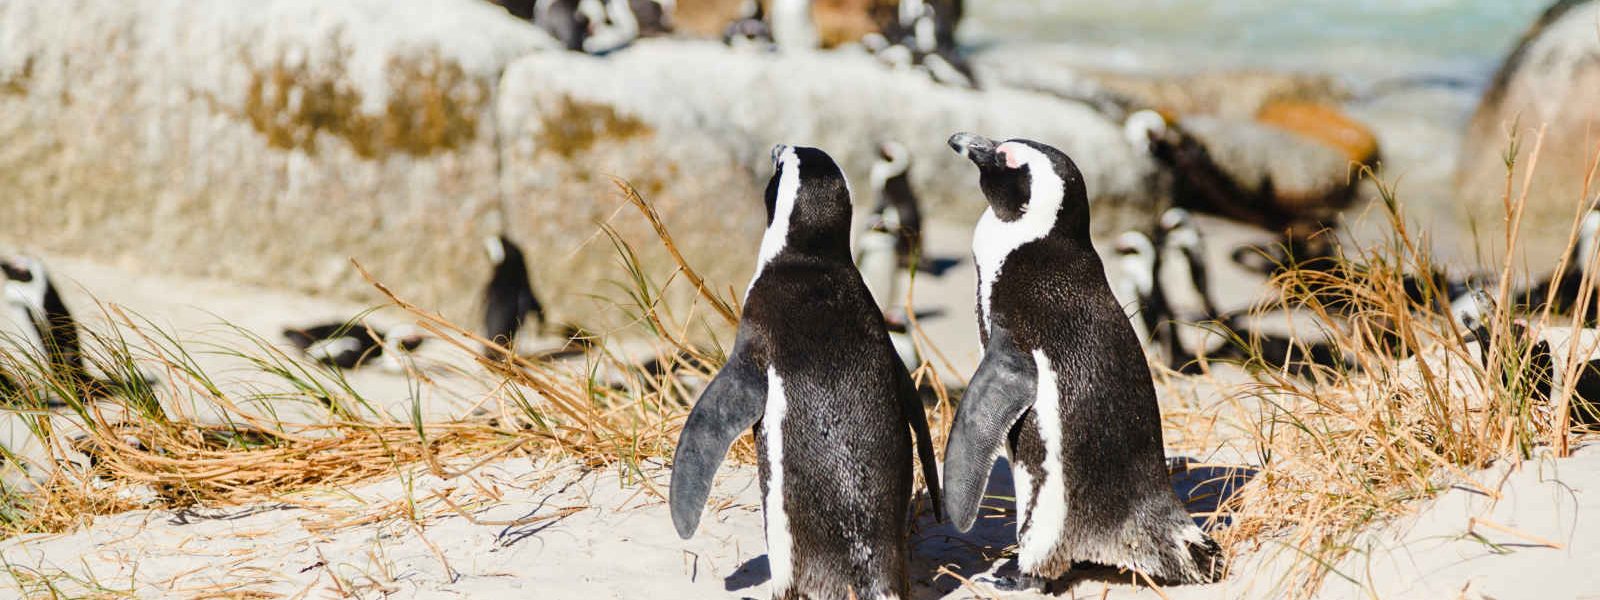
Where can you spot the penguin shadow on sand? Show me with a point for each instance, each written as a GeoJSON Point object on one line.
{"type": "Point", "coordinates": [990, 546]}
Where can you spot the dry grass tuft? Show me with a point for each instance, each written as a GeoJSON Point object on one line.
{"type": "Point", "coordinates": [1415, 411]}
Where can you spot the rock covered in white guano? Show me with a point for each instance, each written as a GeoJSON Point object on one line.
{"type": "Point", "coordinates": [266, 142]}
{"type": "Point", "coordinates": [691, 124]}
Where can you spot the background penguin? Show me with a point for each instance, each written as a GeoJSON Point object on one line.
{"type": "Point", "coordinates": [1542, 357]}
{"type": "Point", "coordinates": [1135, 287]}
{"type": "Point", "coordinates": [614, 24]}
{"type": "Point", "coordinates": [508, 299]}
{"type": "Point", "coordinates": [895, 202]}
{"type": "Point", "coordinates": [879, 260]}
{"type": "Point", "coordinates": [564, 20]}
{"type": "Point", "coordinates": [1061, 385]}
{"type": "Point", "coordinates": [793, 27]}
{"type": "Point", "coordinates": [348, 345]}
{"type": "Point", "coordinates": [53, 332]}
{"type": "Point", "coordinates": [750, 30]}
{"type": "Point", "coordinates": [812, 370]}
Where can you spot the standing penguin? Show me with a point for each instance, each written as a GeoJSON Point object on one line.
{"type": "Point", "coordinates": [895, 202]}
{"type": "Point", "coordinates": [508, 299]}
{"type": "Point", "coordinates": [54, 332]}
{"type": "Point", "coordinates": [813, 372]}
{"type": "Point", "coordinates": [1136, 285]}
{"type": "Point", "coordinates": [1063, 386]}
{"type": "Point", "coordinates": [565, 20]}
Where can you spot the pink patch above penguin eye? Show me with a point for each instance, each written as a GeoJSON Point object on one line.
{"type": "Point", "coordinates": [1012, 160]}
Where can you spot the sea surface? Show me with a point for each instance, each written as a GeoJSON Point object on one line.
{"type": "Point", "coordinates": [1366, 41]}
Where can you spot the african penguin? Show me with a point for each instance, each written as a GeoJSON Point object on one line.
{"type": "Point", "coordinates": [508, 298]}
{"type": "Point", "coordinates": [880, 264]}
{"type": "Point", "coordinates": [895, 202]}
{"type": "Point", "coordinates": [750, 30]}
{"type": "Point", "coordinates": [1543, 356]}
{"type": "Point", "coordinates": [618, 23]}
{"type": "Point", "coordinates": [566, 20]}
{"type": "Point", "coordinates": [1136, 283]}
{"type": "Point", "coordinates": [349, 345]}
{"type": "Point", "coordinates": [833, 408]}
{"type": "Point", "coordinates": [1063, 387]}
{"type": "Point", "coordinates": [793, 27]}
{"type": "Point", "coordinates": [53, 332]}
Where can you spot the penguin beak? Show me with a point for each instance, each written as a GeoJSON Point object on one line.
{"type": "Point", "coordinates": [978, 149]}
{"type": "Point", "coordinates": [777, 153]}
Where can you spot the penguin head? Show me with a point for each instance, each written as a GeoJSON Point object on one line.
{"type": "Point", "coordinates": [1027, 179]}
{"type": "Point", "coordinates": [808, 204]}
{"type": "Point", "coordinates": [1472, 310]}
{"type": "Point", "coordinates": [1136, 256]}
{"type": "Point", "coordinates": [27, 284]}
{"type": "Point", "coordinates": [892, 152]}
{"type": "Point", "coordinates": [1143, 127]}
{"type": "Point", "coordinates": [495, 247]}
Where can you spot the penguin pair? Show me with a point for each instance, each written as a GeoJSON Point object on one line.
{"type": "Point", "coordinates": [351, 345]}
{"type": "Point", "coordinates": [1062, 388]}
{"type": "Point", "coordinates": [834, 410]}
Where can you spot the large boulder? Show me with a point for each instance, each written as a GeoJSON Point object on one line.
{"type": "Point", "coordinates": [265, 142]}
{"type": "Point", "coordinates": [271, 143]}
{"type": "Point", "coordinates": [1552, 80]}
{"type": "Point", "coordinates": [691, 124]}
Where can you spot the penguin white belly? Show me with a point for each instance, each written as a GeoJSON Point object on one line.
{"type": "Point", "coordinates": [780, 544]}
{"type": "Point", "coordinates": [1043, 519]}
{"type": "Point", "coordinates": [330, 349]}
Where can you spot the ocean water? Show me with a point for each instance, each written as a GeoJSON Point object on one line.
{"type": "Point", "coordinates": [1364, 40]}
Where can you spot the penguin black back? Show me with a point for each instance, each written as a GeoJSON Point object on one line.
{"type": "Point", "coordinates": [1064, 384]}
{"type": "Point", "coordinates": [813, 371]}
{"type": "Point", "coordinates": [54, 325]}
{"type": "Point", "coordinates": [508, 299]}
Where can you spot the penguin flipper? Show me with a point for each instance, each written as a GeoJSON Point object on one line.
{"type": "Point", "coordinates": [1001, 391]}
{"type": "Point", "coordinates": [732, 403]}
{"type": "Point", "coordinates": [918, 419]}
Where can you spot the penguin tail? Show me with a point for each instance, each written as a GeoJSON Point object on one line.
{"type": "Point", "coordinates": [1208, 561]}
